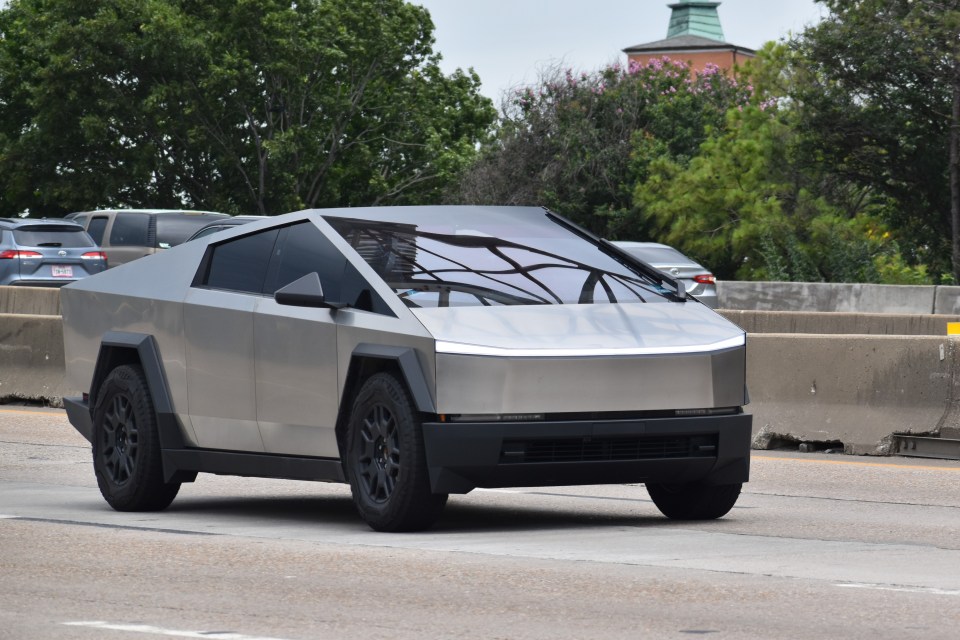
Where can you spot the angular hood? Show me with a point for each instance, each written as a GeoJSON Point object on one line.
{"type": "Point", "coordinates": [580, 330]}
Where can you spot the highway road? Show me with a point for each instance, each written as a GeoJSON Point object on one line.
{"type": "Point", "coordinates": [819, 546]}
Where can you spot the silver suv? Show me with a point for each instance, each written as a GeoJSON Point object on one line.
{"type": "Point", "coordinates": [128, 234]}
{"type": "Point", "coordinates": [46, 253]}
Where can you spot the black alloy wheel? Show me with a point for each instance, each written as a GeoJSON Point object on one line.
{"type": "Point", "coordinates": [126, 444]}
{"type": "Point", "coordinates": [386, 461]}
{"type": "Point", "coordinates": [379, 461]}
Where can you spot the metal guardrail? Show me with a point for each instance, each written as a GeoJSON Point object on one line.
{"type": "Point", "coordinates": [926, 447]}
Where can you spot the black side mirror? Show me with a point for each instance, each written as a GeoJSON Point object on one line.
{"type": "Point", "coordinates": [305, 292]}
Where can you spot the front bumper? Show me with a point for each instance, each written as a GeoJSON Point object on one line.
{"type": "Point", "coordinates": [464, 456]}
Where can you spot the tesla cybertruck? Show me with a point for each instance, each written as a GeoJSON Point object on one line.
{"type": "Point", "coordinates": [412, 352]}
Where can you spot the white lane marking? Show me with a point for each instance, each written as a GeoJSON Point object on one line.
{"type": "Point", "coordinates": [159, 631]}
{"type": "Point", "coordinates": [883, 587]}
{"type": "Point", "coordinates": [6, 517]}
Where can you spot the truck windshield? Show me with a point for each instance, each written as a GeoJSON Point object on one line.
{"type": "Point", "coordinates": [531, 260]}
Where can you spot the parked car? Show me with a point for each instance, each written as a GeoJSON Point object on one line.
{"type": "Point", "coordinates": [221, 224]}
{"type": "Point", "coordinates": [128, 234]}
{"type": "Point", "coordinates": [412, 352]}
{"type": "Point", "coordinates": [697, 279]}
{"type": "Point", "coordinates": [46, 253]}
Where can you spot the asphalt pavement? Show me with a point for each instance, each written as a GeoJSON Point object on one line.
{"type": "Point", "coordinates": [819, 546]}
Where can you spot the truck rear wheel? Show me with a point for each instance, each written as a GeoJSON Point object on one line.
{"type": "Point", "coordinates": [126, 444]}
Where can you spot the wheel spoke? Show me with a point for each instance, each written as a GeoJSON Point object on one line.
{"type": "Point", "coordinates": [377, 453]}
{"type": "Point", "coordinates": [389, 482]}
{"type": "Point", "coordinates": [128, 466]}
{"type": "Point", "coordinates": [120, 440]}
{"type": "Point", "coordinates": [112, 457]}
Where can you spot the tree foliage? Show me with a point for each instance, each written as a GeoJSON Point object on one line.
{"type": "Point", "coordinates": [747, 208]}
{"type": "Point", "coordinates": [751, 206]}
{"type": "Point", "coordinates": [256, 106]}
{"type": "Point", "coordinates": [877, 95]}
{"type": "Point", "coordinates": [578, 143]}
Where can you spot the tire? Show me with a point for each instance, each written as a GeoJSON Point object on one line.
{"type": "Point", "coordinates": [126, 444]}
{"type": "Point", "coordinates": [386, 461]}
{"type": "Point", "coordinates": [694, 501]}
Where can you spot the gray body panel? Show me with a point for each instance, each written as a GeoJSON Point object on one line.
{"type": "Point", "coordinates": [585, 358]}
{"type": "Point", "coordinates": [296, 379]}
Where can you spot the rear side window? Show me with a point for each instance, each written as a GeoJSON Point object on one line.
{"type": "Point", "coordinates": [240, 264]}
{"type": "Point", "coordinates": [96, 228]}
{"type": "Point", "coordinates": [66, 237]}
{"type": "Point", "coordinates": [130, 230]}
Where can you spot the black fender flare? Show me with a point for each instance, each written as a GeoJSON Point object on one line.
{"type": "Point", "coordinates": [410, 367]}
{"type": "Point", "coordinates": [119, 348]}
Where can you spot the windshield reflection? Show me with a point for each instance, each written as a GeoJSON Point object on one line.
{"type": "Point", "coordinates": [537, 264]}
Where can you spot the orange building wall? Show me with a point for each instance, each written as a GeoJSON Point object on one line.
{"type": "Point", "coordinates": [697, 60]}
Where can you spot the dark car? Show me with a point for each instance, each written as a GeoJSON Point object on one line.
{"type": "Point", "coordinates": [46, 253]}
{"type": "Point", "coordinates": [128, 234]}
{"type": "Point", "coordinates": [221, 224]}
{"type": "Point", "coordinates": [413, 352]}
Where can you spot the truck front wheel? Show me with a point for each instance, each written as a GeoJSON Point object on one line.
{"type": "Point", "coordinates": [695, 500]}
{"type": "Point", "coordinates": [386, 462]}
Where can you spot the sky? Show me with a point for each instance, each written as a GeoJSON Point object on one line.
{"type": "Point", "coordinates": [508, 41]}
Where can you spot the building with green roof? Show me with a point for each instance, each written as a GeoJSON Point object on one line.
{"type": "Point", "coordinates": [694, 36]}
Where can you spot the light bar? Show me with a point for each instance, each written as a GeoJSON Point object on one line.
{"type": "Point", "coordinates": [459, 348]}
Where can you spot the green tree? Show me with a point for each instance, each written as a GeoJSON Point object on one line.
{"type": "Point", "coordinates": [570, 142]}
{"type": "Point", "coordinates": [745, 207]}
{"type": "Point", "coordinates": [750, 206]}
{"type": "Point", "coordinates": [878, 98]}
{"type": "Point", "coordinates": [244, 105]}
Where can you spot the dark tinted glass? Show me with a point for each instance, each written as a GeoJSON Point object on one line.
{"type": "Point", "coordinates": [97, 226]}
{"type": "Point", "coordinates": [241, 264]}
{"type": "Point", "coordinates": [304, 249]}
{"type": "Point", "coordinates": [494, 260]}
{"type": "Point", "coordinates": [175, 229]}
{"type": "Point", "coordinates": [66, 237]}
{"type": "Point", "coordinates": [130, 230]}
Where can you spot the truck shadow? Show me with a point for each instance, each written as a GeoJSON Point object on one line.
{"type": "Point", "coordinates": [460, 516]}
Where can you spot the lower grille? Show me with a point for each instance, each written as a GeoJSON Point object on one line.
{"type": "Point", "coordinates": [607, 449]}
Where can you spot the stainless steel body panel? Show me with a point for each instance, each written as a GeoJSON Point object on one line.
{"type": "Point", "coordinates": [576, 358]}
{"type": "Point", "coordinates": [222, 399]}
{"type": "Point", "coordinates": [359, 327]}
{"type": "Point", "coordinates": [499, 385]}
{"type": "Point", "coordinates": [582, 329]}
{"type": "Point", "coordinates": [296, 379]}
{"type": "Point", "coordinates": [88, 316]}
{"type": "Point", "coordinates": [132, 298]}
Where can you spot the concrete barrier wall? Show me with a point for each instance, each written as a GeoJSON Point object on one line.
{"type": "Point", "coordinates": [44, 301]}
{"type": "Point", "coordinates": [853, 298]}
{"type": "Point", "coordinates": [822, 322]}
{"type": "Point", "coordinates": [31, 358]}
{"type": "Point", "coordinates": [755, 296]}
{"type": "Point", "coordinates": [854, 389]}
